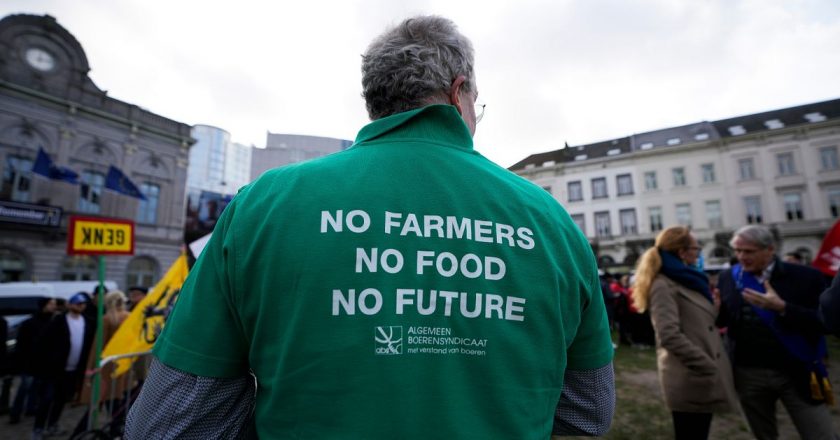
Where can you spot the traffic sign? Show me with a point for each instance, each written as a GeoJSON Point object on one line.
{"type": "Point", "coordinates": [100, 236]}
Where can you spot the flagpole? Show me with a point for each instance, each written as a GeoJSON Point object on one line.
{"type": "Point", "coordinates": [100, 310]}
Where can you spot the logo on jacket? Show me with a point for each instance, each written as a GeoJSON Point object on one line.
{"type": "Point", "coordinates": [388, 340]}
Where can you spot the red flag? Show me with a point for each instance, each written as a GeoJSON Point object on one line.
{"type": "Point", "coordinates": [828, 258]}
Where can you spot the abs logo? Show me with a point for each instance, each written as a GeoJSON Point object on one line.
{"type": "Point", "coordinates": [388, 340]}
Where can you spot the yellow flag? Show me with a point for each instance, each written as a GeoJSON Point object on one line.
{"type": "Point", "coordinates": [141, 329]}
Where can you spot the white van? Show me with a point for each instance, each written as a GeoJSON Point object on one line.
{"type": "Point", "coordinates": [19, 299]}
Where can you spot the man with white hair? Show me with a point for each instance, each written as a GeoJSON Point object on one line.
{"type": "Point", "coordinates": [405, 288]}
{"type": "Point", "coordinates": [770, 309]}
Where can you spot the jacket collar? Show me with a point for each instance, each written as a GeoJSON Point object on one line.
{"type": "Point", "coordinates": [440, 124]}
{"type": "Point", "coordinates": [695, 297]}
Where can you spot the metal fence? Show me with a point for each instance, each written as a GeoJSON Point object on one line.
{"type": "Point", "coordinates": [106, 418]}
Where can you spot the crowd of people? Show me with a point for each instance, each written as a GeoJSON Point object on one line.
{"type": "Point", "coordinates": [749, 338]}
{"type": "Point", "coordinates": [633, 325]}
{"type": "Point", "coordinates": [740, 343]}
{"type": "Point", "coordinates": [53, 361]}
{"type": "Point", "coordinates": [272, 299]}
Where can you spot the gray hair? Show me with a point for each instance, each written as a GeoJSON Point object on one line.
{"type": "Point", "coordinates": [414, 64]}
{"type": "Point", "coordinates": [760, 236]}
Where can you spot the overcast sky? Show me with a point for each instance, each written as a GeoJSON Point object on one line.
{"type": "Point", "coordinates": [550, 72]}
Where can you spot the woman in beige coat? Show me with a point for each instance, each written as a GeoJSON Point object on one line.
{"type": "Point", "coordinates": [115, 314]}
{"type": "Point", "coordinates": [694, 371]}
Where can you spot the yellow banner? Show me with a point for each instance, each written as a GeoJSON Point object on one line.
{"type": "Point", "coordinates": [141, 329]}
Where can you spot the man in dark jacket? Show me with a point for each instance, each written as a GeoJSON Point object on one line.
{"type": "Point", "coordinates": [770, 308]}
{"type": "Point", "coordinates": [830, 307]}
{"type": "Point", "coordinates": [60, 365]}
{"type": "Point", "coordinates": [28, 339]}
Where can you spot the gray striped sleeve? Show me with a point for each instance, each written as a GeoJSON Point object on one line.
{"type": "Point", "coordinates": [174, 404]}
{"type": "Point", "coordinates": [587, 403]}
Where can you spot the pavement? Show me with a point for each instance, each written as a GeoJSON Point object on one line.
{"type": "Point", "coordinates": [23, 430]}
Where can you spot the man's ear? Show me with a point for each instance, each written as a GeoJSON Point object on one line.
{"type": "Point", "coordinates": [455, 93]}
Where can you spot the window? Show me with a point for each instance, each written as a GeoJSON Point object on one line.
{"type": "Point", "coordinates": [602, 224]}
{"type": "Point", "coordinates": [814, 117]}
{"type": "Point", "coordinates": [12, 266]}
{"type": "Point", "coordinates": [650, 180]}
{"type": "Point", "coordinates": [628, 221]}
{"type": "Point", "coordinates": [580, 221]}
{"type": "Point", "coordinates": [786, 166]}
{"type": "Point", "coordinates": [624, 182]}
{"type": "Point", "coordinates": [713, 214]}
{"type": "Point", "coordinates": [679, 176]}
{"type": "Point", "coordinates": [752, 205]}
{"type": "Point", "coordinates": [547, 189]}
{"type": "Point", "coordinates": [575, 191]}
{"type": "Point", "coordinates": [673, 141]}
{"type": "Point", "coordinates": [91, 191]}
{"type": "Point", "coordinates": [655, 214]}
{"type": "Point", "coordinates": [701, 136]}
{"type": "Point", "coordinates": [141, 271]}
{"type": "Point", "coordinates": [745, 169]}
{"type": "Point", "coordinates": [708, 170]}
{"type": "Point", "coordinates": [828, 158]}
{"type": "Point", "coordinates": [774, 124]}
{"type": "Point", "coordinates": [737, 130]}
{"type": "Point", "coordinates": [793, 206]}
{"type": "Point", "coordinates": [834, 202]}
{"type": "Point", "coordinates": [646, 146]}
{"type": "Point", "coordinates": [599, 188]}
{"type": "Point", "coordinates": [684, 214]}
{"type": "Point", "coordinates": [78, 268]}
{"type": "Point", "coordinates": [17, 176]}
{"type": "Point", "coordinates": [147, 209]}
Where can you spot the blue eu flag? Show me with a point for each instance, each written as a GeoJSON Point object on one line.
{"type": "Point", "coordinates": [119, 182]}
{"type": "Point", "coordinates": [44, 166]}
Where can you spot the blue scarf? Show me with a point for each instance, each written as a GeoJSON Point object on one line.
{"type": "Point", "coordinates": [675, 269]}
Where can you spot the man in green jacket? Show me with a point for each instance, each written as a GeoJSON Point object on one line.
{"type": "Point", "coordinates": [406, 287]}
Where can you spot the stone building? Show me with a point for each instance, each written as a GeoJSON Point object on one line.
{"type": "Point", "coordinates": [779, 168]}
{"type": "Point", "coordinates": [49, 103]}
{"type": "Point", "coordinates": [283, 149]}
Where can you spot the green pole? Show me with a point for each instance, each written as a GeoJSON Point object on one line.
{"type": "Point", "coordinates": [100, 310]}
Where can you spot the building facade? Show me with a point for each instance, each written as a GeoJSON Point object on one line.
{"type": "Point", "coordinates": [778, 168]}
{"type": "Point", "coordinates": [216, 163]}
{"type": "Point", "coordinates": [283, 149]}
{"type": "Point", "coordinates": [50, 107]}
{"type": "Point", "coordinates": [218, 169]}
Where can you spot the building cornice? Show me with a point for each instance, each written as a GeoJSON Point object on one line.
{"type": "Point", "coordinates": [141, 124]}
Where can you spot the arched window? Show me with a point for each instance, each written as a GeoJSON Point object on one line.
{"type": "Point", "coordinates": [142, 272]}
{"type": "Point", "coordinates": [78, 268]}
{"type": "Point", "coordinates": [807, 256]}
{"type": "Point", "coordinates": [13, 266]}
{"type": "Point", "coordinates": [605, 261]}
{"type": "Point", "coordinates": [721, 252]}
{"type": "Point", "coordinates": [630, 259]}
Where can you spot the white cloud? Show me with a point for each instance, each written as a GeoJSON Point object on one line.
{"type": "Point", "coordinates": [550, 72]}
